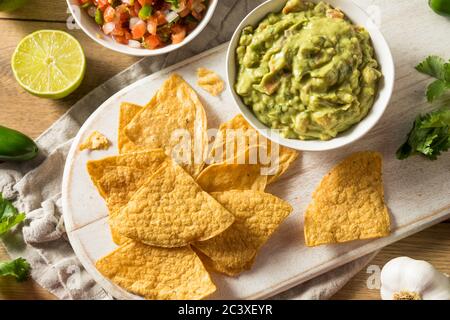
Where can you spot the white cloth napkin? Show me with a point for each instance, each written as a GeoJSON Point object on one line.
{"type": "Point", "coordinates": [35, 186]}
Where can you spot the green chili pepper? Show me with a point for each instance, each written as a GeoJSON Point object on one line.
{"type": "Point", "coordinates": [145, 12]}
{"type": "Point", "coordinates": [99, 16]}
{"type": "Point", "coordinates": [441, 7]}
{"type": "Point", "coordinates": [15, 146]}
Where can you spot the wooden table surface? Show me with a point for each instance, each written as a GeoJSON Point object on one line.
{"type": "Point", "coordinates": [32, 115]}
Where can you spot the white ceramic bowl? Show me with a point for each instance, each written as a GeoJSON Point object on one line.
{"type": "Point", "coordinates": [383, 55]}
{"type": "Point", "coordinates": [88, 25]}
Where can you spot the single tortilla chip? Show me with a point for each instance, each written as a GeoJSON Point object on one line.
{"type": "Point", "coordinates": [224, 177]}
{"type": "Point", "coordinates": [175, 121]}
{"type": "Point", "coordinates": [237, 136]}
{"type": "Point", "coordinates": [127, 112]}
{"type": "Point", "coordinates": [117, 178]}
{"type": "Point", "coordinates": [210, 81]}
{"type": "Point", "coordinates": [96, 141]}
{"type": "Point", "coordinates": [257, 215]}
{"type": "Point", "coordinates": [171, 210]}
{"type": "Point", "coordinates": [349, 203]}
{"type": "Point", "coordinates": [157, 273]}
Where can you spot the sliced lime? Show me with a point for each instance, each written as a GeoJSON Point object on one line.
{"type": "Point", "coordinates": [49, 64]}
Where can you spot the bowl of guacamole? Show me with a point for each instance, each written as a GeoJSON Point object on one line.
{"type": "Point", "coordinates": [310, 75]}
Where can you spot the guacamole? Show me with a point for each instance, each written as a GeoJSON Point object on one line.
{"type": "Point", "coordinates": [307, 71]}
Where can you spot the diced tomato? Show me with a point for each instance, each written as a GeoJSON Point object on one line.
{"type": "Point", "coordinates": [122, 13]}
{"type": "Point", "coordinates": [128, 35]}
{"type": "Point", "coordinates": [118, 31]}
{"type": "Point", "coordinates": [144, 2]}
{"type": "Point", "coordinates": [178, 33]}
{"type": "Point", "coordinates": [139, 30]}
{"type": "Point", "coordinates": [102, 4]}
{"type": "Point", "coordinates": [137, 8]}
{"type": "Point", "coordinates": [152, 25]}
{"type": "Point", "coordinates": [121, 39]}
{"type": "Point", "coordinates": [109, 14]}
{"type": "Point", "coordinates": [161, 17]}
{"type": "Point", "coordinates": [153, 41]}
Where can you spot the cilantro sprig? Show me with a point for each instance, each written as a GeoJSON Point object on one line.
{"type": "Point", "coordinates": [9, 215]}
{"type": "Point", "coordinates": [430, 136]}
{"type": "Point", "coordinates": [437, 68]}
{"type": "Point", "coordinates": [18, 268]}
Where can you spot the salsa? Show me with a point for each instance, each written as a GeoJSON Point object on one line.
{"type": "Point", "coordinates": [147, 24]}
{"type": "Point", "coordinates": [307, 71]}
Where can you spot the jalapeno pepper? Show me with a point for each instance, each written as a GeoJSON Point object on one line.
{"type": "Point", "coordinates": [441, 7]}
{"type": "Point", "coordinates": [15, 146]}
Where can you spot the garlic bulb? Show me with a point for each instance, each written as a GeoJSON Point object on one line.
{"type": "Point", "coordinates": [408, 279]}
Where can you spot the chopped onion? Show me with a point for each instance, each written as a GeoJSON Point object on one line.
{"type": "Point", "coordinates": [134, 44]}
{"type": "Point", "coordinates": [171, 16]}
{"type": "Point", "coordinates": [134, 21]}
{"type": "Point", "coordinates": [108, 27]}
{"type": "Point", "coordinates": [130, 2]}
{"type": "Point", "coordinates": [91, 11]}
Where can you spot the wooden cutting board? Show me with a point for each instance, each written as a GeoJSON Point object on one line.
{"type": "Point", "coordinates": [417, 190]}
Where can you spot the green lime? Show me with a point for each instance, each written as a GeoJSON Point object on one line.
{"type": "Point", "coordinates": [10, 5]}
{"type": "Point", "coordinates": [49, 64]}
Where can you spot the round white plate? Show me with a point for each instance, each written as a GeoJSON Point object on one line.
{"type": "Point", "coordinates": [85, 212]}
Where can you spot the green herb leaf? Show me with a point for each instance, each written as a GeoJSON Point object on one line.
{"type": "Point", "coordinates": [437, 119]}
{"type": "Point", "coordinates": [19, 269]}
{"type": "Point", "coordinates": [98, 16]}
{"type": "Point", "coordinates": [433, 66]}
{"type": "Point", "coordinates": [430, 136]}
{"type": "Point", "coordinates": [435, 90]}
{"type": "Point", "coordinates": [145, 12]}
{"type": "Point", "coordinates": [9, 215]}
{"type": "Point", "coordinates": [447, 72]}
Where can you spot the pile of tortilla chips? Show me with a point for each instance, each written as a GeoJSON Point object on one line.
{"type": "Point", "coordinates": [171, 211]}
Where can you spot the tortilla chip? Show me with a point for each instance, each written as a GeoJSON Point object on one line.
{"type": "Point", "coordinates": [157, 273]}
{"type": "Point", "coordinates": [227, 147]}
{"type": "Point", "coordinates": [127, 112]}
{"type": "Point", "coordinates": [224, 177]}
{"type": "Point", "coordinates": [258, 215]}
{"type": "Point", "coordinates": [175, 121]}
{"type": "Point", "coordinates": [349, 203]}
{"type": "Point", "coordinates": [117, 178]}
{"type": "Point", "coordinates": [171, 210]}
{"type": "Point", "coordinates": [96, 141]}
{"type": "Point", "coordinates": [210, 81]}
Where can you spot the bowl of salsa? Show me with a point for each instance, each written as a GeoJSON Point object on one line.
{"type": "Point", "coordinates": [142, 27]}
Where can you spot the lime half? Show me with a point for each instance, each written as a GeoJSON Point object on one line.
{"type": "Point", "coordinates": [49, 64]}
